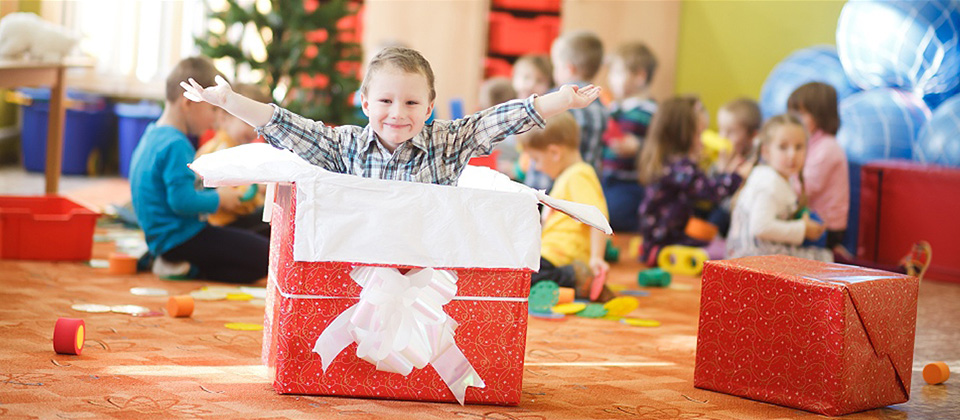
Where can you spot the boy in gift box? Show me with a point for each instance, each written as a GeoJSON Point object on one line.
{"type": "Point", "coordinates": [168, 204]}
{"type": "Point", "coordinates": [571, 253]}
{"type": "Point", "coordinates": [398, 95]}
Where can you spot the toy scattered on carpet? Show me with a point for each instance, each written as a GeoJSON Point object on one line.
{"type": "Point", "coordinates": [936, 373]}
{"type": "Point", "coordinates": [121, 264]}
{"type": "Point", "coordinates": [68, 336]}
{"type": "Point", "coordinates": [27, 36]}
{"type": "Point", "coordinates": [653, 277]}
{"type": "Point", "coordinates": [700, 229]}
{"type": "Point", "coordinates": [611, 254]}
{"type": "Point", "coordinates": [180, 306]}
{"type": "Point", "coordinates": [679, 259]}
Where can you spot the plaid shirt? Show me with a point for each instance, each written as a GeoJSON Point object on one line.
{"type": "Point", "coordinates": [436, 155]}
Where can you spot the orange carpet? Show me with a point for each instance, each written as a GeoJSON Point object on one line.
{"type": "Point", "coordinates": [162, 367]}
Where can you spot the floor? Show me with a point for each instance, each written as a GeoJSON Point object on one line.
{"type": "Point", "coordinates": [163, 367]}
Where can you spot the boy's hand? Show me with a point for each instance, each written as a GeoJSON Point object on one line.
{"type": "Point", "coordinates": [216, 95]}
{"type": "Point", "coordinates": [598, 265]}
{"type": "Point", "coordinates": [229, 199]}
{"type": "Point", "coordinates": [579, 97]}
{"type": "Point", "coordinates": [813, 229]}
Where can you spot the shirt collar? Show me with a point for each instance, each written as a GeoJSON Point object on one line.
{"type": "Point", "coordinates": [371, 139]}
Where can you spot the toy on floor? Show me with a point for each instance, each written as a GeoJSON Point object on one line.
{"type": "Point", "coordinates": [936, 373]}
{"type": "Point", "coordinates": [700, 229]}
{"type": "Point", "coordinates": [543, 296]}
{"type": "Point", "coordinates": [122, 264]}
{"type": "Point", "coordinates": [654, 277]}
{"type": "Point", "coordinates": [180, 306]}
{"type": "Point", "coordinates": [597, 286]}
{"type": "Point", "coordinates": [679, 259]}
{"type": "Point", "coordinates": [633, 247]}
{"type": "Point", "coordinates": [68, 336]}
{"type": "Point", "coordinates": [566, 295]}
{"type": "Point", "coordinates": [619, 307]}
{"type": "Point", "coordinates": [611, 254]}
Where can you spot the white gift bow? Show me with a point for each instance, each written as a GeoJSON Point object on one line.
{"type": "Point", "coordinates": [399, 324]}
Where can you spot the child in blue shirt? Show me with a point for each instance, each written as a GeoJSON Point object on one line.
{"type": "Point", "coordinates": [170, 209]}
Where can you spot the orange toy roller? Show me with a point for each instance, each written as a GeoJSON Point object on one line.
{"type": "Point", "coordinates": [936, 373]}
{"type": "Point", "coordinates": [68, 336]}
{"type": "Point", "coordinates": [701, 229]}
{"type": "Point", "coordinates": [180, 306]}
{"type": "Point", "coordinates": [566, 295]}
{"type": "Point", "coordinates": [122, 264]}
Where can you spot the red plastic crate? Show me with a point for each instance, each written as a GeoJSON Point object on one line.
{"type": "Point", "coordinates": [517, 36]}
{"type": "Point", "coordinates": [530, 5]}
{"type": "Point", "coordinates": [45, 228]}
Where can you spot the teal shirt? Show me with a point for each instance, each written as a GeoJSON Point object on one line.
{"type": "Point", "coordinates": [165, 199]}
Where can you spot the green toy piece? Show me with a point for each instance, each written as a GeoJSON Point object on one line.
{"type": "Point", "coordinates": [251, 192]}
{"type": "Point", "coordinates": [654, 277]}
{"type": "Point", "coordinates": [611, 254]}
{"type": "Point", "coordinates": [543, 296]}
{"type": "Point", "coordinates": [593, 310]}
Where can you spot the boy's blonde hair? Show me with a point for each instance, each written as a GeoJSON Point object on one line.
{"type": "Point", "coordinates": [495, 91]}
{"type": "Point", "coordinates": [583, 49]}
{"type": "Point", "coordinates": [200, 69]}
{"type": "Point", "coordinates": [406, 59]}
{"type": "Point", "coordinates": [637, 57]}
{"type": "Point", "coordinates": [820, 101]}
{"type": "Point", "coordinates": [541, 62]}
{"type": "Point", "coordinates": [561, 129]}
{"type": "Point", "coordinates": [671, 135]}
{"type": "Point", "coordinates": [253, 91]}
{"type": "Point", "coordinates": [747, 113]}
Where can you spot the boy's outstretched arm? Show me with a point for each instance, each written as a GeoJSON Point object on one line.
{"type": "Point", "coordinates": [567, 97]}
{"type": "Point", "coordinates": [250, 111]}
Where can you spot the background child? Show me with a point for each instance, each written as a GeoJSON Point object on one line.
{"type": "Point", "coordinates": [397, 95]}
{"type": "Point", "coordinates": [763, 217]}
{"type": "Point", "coordinates": [668, 168]}
{"type": "Point", "coordinates": [576, 58]}
{"type": "Point", "coordinates": [826, 175]}
{"type": "Point", "coordinates": [532, 74]}
{"type": "Point", "coordinates": [234, 132]}
{"type": "Point", "coordinates": [571, 252]}
{"type": "Point", "coordinates": [631, 69]}
{"type": "Point", "coordinates": [738, 121]}
{"type": "Point", "coordinates": [495, 91]}
{"type": "Point", "coordinates": [166, 201]}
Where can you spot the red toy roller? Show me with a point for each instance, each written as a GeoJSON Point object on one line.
{"type": "Point", "coordinates": [68, 336]}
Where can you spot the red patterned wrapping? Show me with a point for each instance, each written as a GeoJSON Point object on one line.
{"type": "Point", "coordinates": [491, 334]}
{"type": "Point", "coordinates": [828, 338]}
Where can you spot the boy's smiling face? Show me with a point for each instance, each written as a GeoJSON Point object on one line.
{"type": "Point", "coordinates": [398, 104]}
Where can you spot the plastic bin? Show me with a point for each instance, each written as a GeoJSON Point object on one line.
{"type": "Point", "coordinates": [132, 121]}
{"type": "Point", "coordinates": [86, 129]}
{"type": "Point", "coordinates": [493, 67]}
{"type": "Point", "coordinates": [529, 5]}
{"type": "Point", "coordinates": [512, 35]}
{"type": "Point", "coordinates": [45, 228]}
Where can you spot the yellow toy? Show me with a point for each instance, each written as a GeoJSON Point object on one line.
{"type": "Point", "coordinates": [679, 259]}
{"type": "Point", "coordinates": [713, 147]}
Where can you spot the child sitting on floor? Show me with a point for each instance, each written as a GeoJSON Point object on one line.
{"type": "Point", "coordinates": [167, 203]}
{"type": "Point", "coordinates": [571, 252]}
{"type": "Point", "coordinates": [234, 132]}
{"type": "Point", "coordinates": [397, 94]}
{"type": "Point", "coordinates": [763, 221]}
{"type": "Point", "coordinates": [675, 184]}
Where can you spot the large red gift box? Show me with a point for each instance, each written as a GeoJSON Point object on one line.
{"type": "Point", "coordinates": [305, 297]}
{"type": "Point", "coordinates": [827, 338]}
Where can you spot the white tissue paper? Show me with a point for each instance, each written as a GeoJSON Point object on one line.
{"type": "Point", "coordinates": [487, 221]}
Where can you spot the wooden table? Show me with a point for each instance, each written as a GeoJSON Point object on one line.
{"type": "Point", "coordinates": [53, 74]}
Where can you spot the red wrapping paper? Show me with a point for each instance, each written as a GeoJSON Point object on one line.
{"type": "Point", "coordinates": [491, 334]}
{"type": "Point", "coordinates": [827, 338]}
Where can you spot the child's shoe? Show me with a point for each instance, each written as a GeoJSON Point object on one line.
{"type": "Point", "coordinates": [172, 270]}
{"type": "Point", "coordinates": [917, 261]}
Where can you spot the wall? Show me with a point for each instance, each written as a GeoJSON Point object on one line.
{"type": "Point", "coordinates": [727, 48]}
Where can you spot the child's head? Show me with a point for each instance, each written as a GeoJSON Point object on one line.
{"type": "Point", "coordinates": [674, 133]}
{"type": "Point", "coordinates": [576, 57]}
{"type": "Point", "coordinates": [815, 103]}
{"type": "Point", "coordinates": [738, 121]}
{"type": "Point", "coordinates": [495, 91]}
{"type": "Point", "coordinates": [238, 130]}
{"type": "Point", "coordinates": [631, 70]}
{"type": "Point", "coordinates": [197, 116]}
{"type": "Point", "coordinates": [554, 147]}
{"type": "Point", "coordinates": [532, 74]}
{"type": "Point", "coordinates": [783, 144]}
{"type": "Point", "coordinates": [397, 94]}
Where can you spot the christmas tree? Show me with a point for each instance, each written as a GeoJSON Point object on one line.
{"type": "Point", "coordinates": [306, 51]}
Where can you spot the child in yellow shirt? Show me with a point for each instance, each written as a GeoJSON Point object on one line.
{"type": "Point", "coordinates": [571, 253]}
{"type": "Point", "coordinates": [234, 132]}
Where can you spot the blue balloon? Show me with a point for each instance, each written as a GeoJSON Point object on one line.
{"type": "Point", "coordinates": [939, 141]}
{"type": "Point", "coordinates": [912, 45]}
{"type": "Point", "coordinates": [814, 64]}
{"type": "Point", "coordinates": [934, 100]}
{"type": "Point", "coordinates": [880, 124]}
